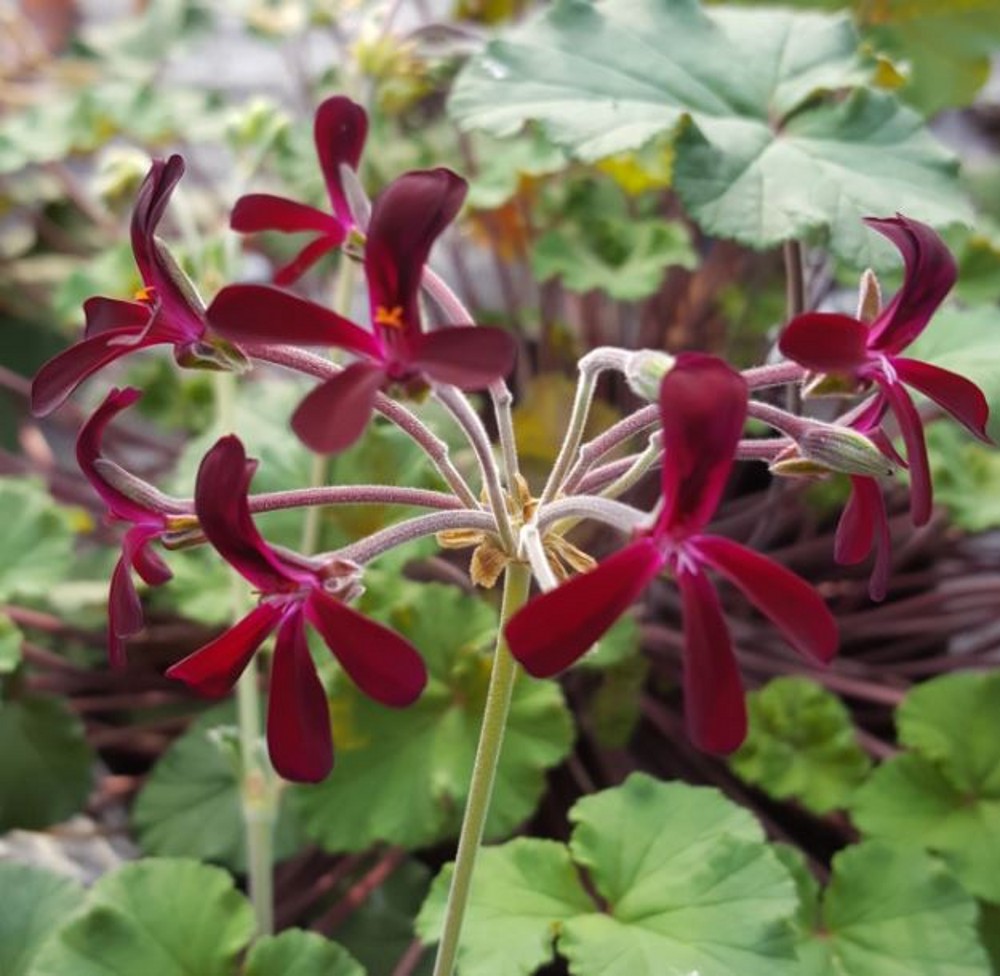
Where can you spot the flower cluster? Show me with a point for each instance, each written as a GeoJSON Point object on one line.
{"type": "Point", "coordinates": [699, 416]}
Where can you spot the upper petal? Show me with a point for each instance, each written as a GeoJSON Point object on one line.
{"type": "Point", "coordinates": [468, 357]}
{"type": "Point", "coordinates": [213, 669]}
{"type": "Point", "coordinates": [299, 739]}
{"type": "Point", "coordinates": [260, 313]}
{"type": "Point", "coordinates": [863, 524]}
{"type": "Point", "coordinates": [380, 662]}
{"type": "Point", "coordinates": [825, 342]}
{"type": "Point", "coordinates": [789, 602]}
{"type": "Point", "coordinates": [703, 406]}
{"type": "Point", "coordinates": [150, 204]}
{"type": "Point", "coordinates": [714, 707]}
{"type": "Point", "coordinates": [264, 211]}
{"type": "Point", "coordinates": [960, 397]}
{"type": "Point", "coordinates": [556, 628]}
{"type": "Point", "coordinates": [407, 218]}
{"type": "Point", "coordinates": [334, 415]}
{"type": "Point", "coordinates": [339, 129]}
{"type": "Point", "coordinates": [930, 275]}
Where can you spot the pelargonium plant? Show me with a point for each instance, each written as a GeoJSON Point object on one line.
{"type": "Point", "coordinates": [418, 342]}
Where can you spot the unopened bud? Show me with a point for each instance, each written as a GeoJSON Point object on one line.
{"type": "Point", "coordinates": [844, 449]}
{"type": "Point", "coordinates": [644, 372]}
{"type": "Point", "coordinates": [869, 297]}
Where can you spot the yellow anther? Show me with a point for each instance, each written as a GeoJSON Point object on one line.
{"type": "Point", "coordinates": [145, 294]}
{"type": "Point", "coordinates": [390, 317]}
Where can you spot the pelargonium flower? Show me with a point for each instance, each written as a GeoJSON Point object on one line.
{"type": "Point", "coordinates": [703, 406]}
{"type": "Point", "coordinates": [339, 129]}
{"type": "Point", "coordinates": [383, 665]}
{"type": "Point", "coordinates": [407, 218]}
{"type": "Point", "coordinates": [168, 311]}
{"type": "Point", "coordinates": [149, 523]}
{"type": "Point", "coordinates": [839, 344]}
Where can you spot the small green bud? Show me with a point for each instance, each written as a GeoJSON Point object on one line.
{"type": "Point", "coordinates": [844, 449]}
{"type": "Point", "coordinates": [644, 371]}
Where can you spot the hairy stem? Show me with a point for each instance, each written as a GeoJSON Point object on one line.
{"type": "Point", "coordinates": [364, 550]}
{"type": "Point", "coordinates": [617, 434]}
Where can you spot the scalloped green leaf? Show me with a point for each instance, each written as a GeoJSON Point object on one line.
{"type": "Point", "coordinates": [162, 917]}
{"type": "Point", "coordinates": [298, 953]}
{"type": "Point", "coordinates": [944, 795]}
{"type": "Point", "coordinates": [45, 763]}
{"type": "Point", "coordinates": [190, 804]}
{"type": "Point", "coordinates": [685, 880]}
{"type": "Point", "coordinates": [888, 912]}
{"type": "Point", "coordinates": [35, 904]}
{"type": "Point", "coordinates": [768, 148]}
{"type": "Point", "coordinates": [801, 744]}
{"type": "Point", "coordinates": [10, 644]}
{"type": "Point", "coordinates": [402, 776]}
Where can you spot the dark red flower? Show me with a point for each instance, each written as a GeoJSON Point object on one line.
{"type": "Point", "coordinates": [833, 343]}
{"type": "Point", "coordinates": [383, 665]}
{"type": "Point", "coordinates": [407, 218]}
{"type": "Point", "coordinates": [168, 311]}
{"type": "Point", "coordinates": [339, 129]}
{"type": "Point", "coordinates": [149, 523]}
{"type": "Point", "coordinates": [703, 406]}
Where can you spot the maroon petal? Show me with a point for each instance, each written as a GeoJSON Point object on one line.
{"type": "Point", "coordinates": [110, 314]}
{"type": "Point", "coordinates": [557, 628]}
{"type": "Point", "coordinates": [407, 218]}
{"type": "Point", "coordinates": [703, 405]}
{"type": "Point", "coordinates": [912, 429]}
{"type": "Point", "coordinates": [468, 357]}
{"type": "Point", "coordinates": [298, 719]}
{"type": "Point", "coordinates": [790, 603]}
{"type": "Point", "coordinates": [383, 665]}
{"type": "Point", "coordinates": [60, 376]}
{"type": "Point", "coordinates": [826, 342]}
{"type": "Point", "coordinates": [959, 397]}
{"type": "Point", "coordinates": [153, 570]}
{"type": "Point", "coordinates": [151, 202]}
{"type": "Point", "coordinates": [260, 313]}
{"type": "Point", "coordinates": [263, 211]}
{"type": "Point", "coordinates": [863, 524]}
{"type": "Point", "coordinates": [213, 669]}
{"type": "Point", "coordinates": [714, 708]}
{"type": "Point", "coordinates": [305, 259]}
{"type": "Point", "coordinates": [340, 129]}
{"type": "Point", "coordinates": [124, 612]}
{"type": "Point", "coordinates": [930, 275]}
{"type": "Point", "coordinates": [220, 501]}
{"type": "Point", "coordinates": [334, 415]}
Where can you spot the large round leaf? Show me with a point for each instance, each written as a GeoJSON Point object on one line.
{"type": "Point", "coordinates": [36, 545]}
{"type": "Point", "coordinates": [298, 953]}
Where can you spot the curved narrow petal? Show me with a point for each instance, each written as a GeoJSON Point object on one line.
{"type": "Point", "coordinates": [111, 314]}
{"type": "Point", "coordinates": [380, 662]}
{"type": "Point", "coordinates": [930, 274]}
{"type": "Point", "coordinates": [124, 612]}
{"type": "Point", "coordinates": [956, 395]}
{"type": "Point", "coordinates": [260, 313]}
{"type": "Point", "coordinates": [407, 218]}
{"type": "Point", "coordinates": [825, 342]}
{"type": "Point", "coordinates": [789, 602]}
{"type": "Point", "coordinates": [299, 737]}
{"type": "Point", "coordinates": [714, 707]}
{"type": "Point", "coordinates": [61, 375]}
{"type": "Point", "coordinates": [289, 273]}
{"type": "Point", "coordinates": [264, 211]}
{"type": "Point", "coordinates": [212, 670]}
{"type": "Point", "coordinates": [864, 524]}
{"type": "Point", "coordinates": [334, 415]}
{"type": "Point", "coordinates": [220, 501]}
{"type": "Point", "coordinates": [469, 357]}
{"type": "Point", "coordinates": [150, 204]}
{"type": "Point", "coordinates": [147, 563]}
{"type": "Point", "coordinates": [340, 129]}
{"type": "Point", "coordinates": [703, 406]}
{"type": "Point", "coordinates": [912, 429]}
{"type": "Point", "coordinates": [557, 628]}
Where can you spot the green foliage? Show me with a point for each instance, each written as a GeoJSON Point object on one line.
{"type": "Point", "coordinates": [685, 880]}
{"type": "Point", "coordinates": [298, 953]}
{"type": "Point", "coordinates": [801, 743]}
{"type": "Point", "coordinates": [45, 763]}
{"type": "Point", "coordinates": [886, 912]}
{"type": "Point", "coordinates": [190, 803]}
{"type": "Point", "coordinates": [34, 904]}
{"type": "Point", "coordinates": [10, 645]}
{"type": "Point", "coordinates": [965, 474]}
{"type": "Point", "coordinates": [403, 776]}
{"type": "Point", "coordinates": [763, 154]}
{"type": "Point", "coordinates": [944, 794]}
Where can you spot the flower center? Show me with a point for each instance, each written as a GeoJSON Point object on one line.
{"type": "Point", "coordinates": [391, 318]}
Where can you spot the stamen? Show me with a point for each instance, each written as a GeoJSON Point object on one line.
{"type": "Point", "coordinates": [391, 318]}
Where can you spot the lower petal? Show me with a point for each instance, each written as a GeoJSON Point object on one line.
{"type": "Point", "coordinates": [714, 708]}
{"type": "Point", "coordinates": [956, 395]}
{"type": "Point", "coordinates": [124, 612]}
{"type": "Point", "coordinates": [469, 357]}
{"type": "Point", "coordinates": [380, 662]}
{"type": "Point", "coordinates": [557, 628]}
{"type": "Point", "coordinates": [289, 273]}
{"type": "Point", "coordinates": [912, 429]}
{"type": "Point", "coordinates": [863, 524]}
{"type": "Point", "coordinates": [299, 739]}
{"type": "Point", "coordinates": [334, 415]}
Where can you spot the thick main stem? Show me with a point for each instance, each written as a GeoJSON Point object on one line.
{"type": "Point", "coordinates": [517, 582]}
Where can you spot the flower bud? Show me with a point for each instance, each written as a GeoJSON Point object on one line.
{"type": "Point", "coordinates": [644, 371]}
{"type": "Point", "coordinates": [844, 449]}
{"type": "Point", "coordinates": [869, 297]}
